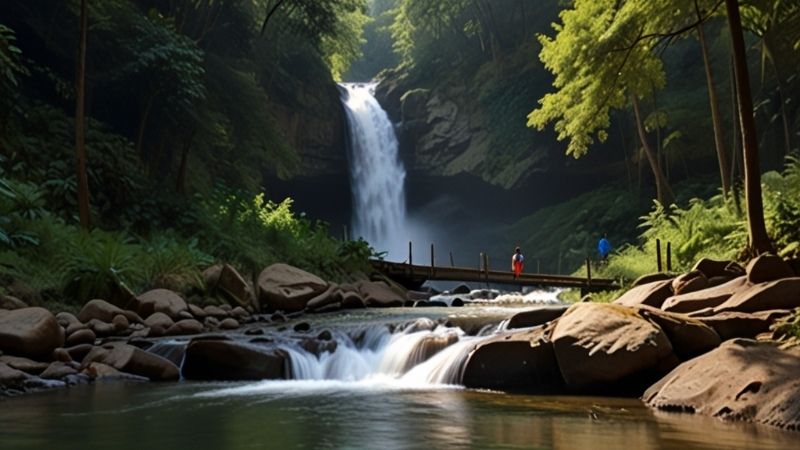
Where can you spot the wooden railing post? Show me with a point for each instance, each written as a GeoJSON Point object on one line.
{"type": "Point", "coordinates": [658, 254]}
{"type": "Point", "coordinates": [588, 271]}
{"type": "Point", "coordinates": [669, 256]}
{"type": "Point", "coordinates": [433, 261]}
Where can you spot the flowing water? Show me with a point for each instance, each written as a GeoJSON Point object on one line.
{"type": "Point", "coordinates": [376, 172]}
{"type": "Point", "coordinates": [390, 383]}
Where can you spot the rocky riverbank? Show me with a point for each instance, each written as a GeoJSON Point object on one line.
{"type": "Point", "coordinates": [702, 342]}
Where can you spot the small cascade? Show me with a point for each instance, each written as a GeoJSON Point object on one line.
{"type": "Point", "coordinates": [171, 349]}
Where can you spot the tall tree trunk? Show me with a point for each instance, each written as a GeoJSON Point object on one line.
{"type": "Point", "coordinates": [716, 122]}
{"type": "Point", "coordinates": [663, 193]}
{"type": "Point", "coordinates": [80, 138]}
{"type": "Point", "coordinates": [757, 229]}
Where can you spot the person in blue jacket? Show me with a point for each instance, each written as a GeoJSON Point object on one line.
{"type": "Point", "coordinates": [604, 247]}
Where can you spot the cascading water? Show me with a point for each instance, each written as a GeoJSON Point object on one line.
{"type": "Point", "coordinates": [376, 172]}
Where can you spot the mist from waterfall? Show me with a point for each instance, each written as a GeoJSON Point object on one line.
{"type": "Point", "coordinates": [376, 173]}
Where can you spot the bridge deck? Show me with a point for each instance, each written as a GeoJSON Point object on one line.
{"type": "Point", "coordinates": [415, 275]}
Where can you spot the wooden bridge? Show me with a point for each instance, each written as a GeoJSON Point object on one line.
{"type": "Point", "coordinates": [413, 276]}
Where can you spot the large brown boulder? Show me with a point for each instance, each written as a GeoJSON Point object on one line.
{"type": "Point", "coordinates": [29, 332]}
{"type": "Point", "coordinates": [536, 316]}
{"type": "Point", "coordinates": [732, 324]}
{"type": "Point", "coordinates": [652, 294]}
{"type": "Point", "coordinates": [133, 360]}
{"type": "Point", "coordinates": [233, 285]}
{"type": "Point", "coordinates": [740, 380]}
{"type": "Point", "coordinates": [779, 294]}
{"type": "Point", "coordinates": [11, 377]}
{"type": "Point", "coordinates": [331, 296]}
{"type": "Point", "coordinates": [286, 288]}
{"type": "Point", "coordinates": [24, 364]}
{"type": "Point", "coordinates": [768, 268]}
{"type": "Point", "coordinates": [705, 298]}
{"type": "Point", "coordinates": [689, 336]}
{"type": "Point", "coordinates": [713, 268]}
{"type": "Point", "coordinates": [226, 360]}
{"type": "Point", "coordinates": [609, 347]}
{"type": "Point", "coordinates": [10, 302]}
{"type": "Point", "coordinates": [105, 312]}
{"type": "Point", "coordinates": [689, 282]}
{"type": "Point", "coordinates": [164, 301]}
{"type": "Point", "coordinates": [515, 361]}
{"type": "Point", "coordinates": [377, 294]}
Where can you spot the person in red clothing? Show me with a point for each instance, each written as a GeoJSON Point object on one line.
{"type": "Point", "coordinates": [517, 262]}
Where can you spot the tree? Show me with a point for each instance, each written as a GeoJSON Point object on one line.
{"type": "Point", "coordinates": [80, 127]}
{"type": "Point", "coordinates": [599, 64]}
{"type": "Point", "coordinates": [757, 230]}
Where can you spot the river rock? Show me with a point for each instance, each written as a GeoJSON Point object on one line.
{"type": "Point", "coordinates": [461, 289]}
{"type": "Point", "coordinates": [197, 311]}
{"type": "Point", "coordinates": [689, 337]}
{"type": "Point", "coordinates": [163, 301]}
{"type": "Point", "coordinates": [29, 332]}
{"type": "Point", "coordinates": [377, 294]}
{"type": "Point", "coordinates": [352, 300]}
{"type": "Point", "coordinates": [11, 377]}
{"type": "Point", "coordinates": [331, 295]}
{"type": "Point", "coordinates": [712, 268]}
{"type": "Point", "coordinates": [100, 328]}
{"type": "Point", "coordinates": [67, 320]}
{"type": "Point", "coordinates": [689, 282]}
{"type": "Point", "coordinates": [651, 278]}
{"type": "Point", "coordinates": [185, 326]}
{"type": "Point", "coordinates": [515, 361]}
{"type": "Point", "coordinates": [120, 323]}
{"type": "Point", "coordinates": [282, 287]}
{"type": "Point", "coordinates": [215, 311]}
{"type": "Point", "coordinates": [134, 360]}
{"type": "Point", "coordinates": [537, 316]}
{"type": "Point", "coordinates": [81, 337]}
{"type": "Point", "coordinates": [229, 324]}
{"type": "Point", "coordinates": [768, 267]}
{"type": "Point", "coordinates": [9, 302]}
{"type": "Point", "coordinates": [99, 371]}
{"type": "Point", "coordinates": [159, 319]}
{"type": "Point", "coordinates": [78, 352]}
{"type": "Point", "coordinates": [239, 313]}
{"type": "Point", "coordinates": [609, 347]}
{"type": "Point", "coordinates": [705, 298]}
{"type": "Point", "coordinates": [740, 380]}
{"type": "Point", "coordinates": [211, 277]}
{"type": "Point", "coordinates": [100, 310]}
{"type": "Point", "coordinates": [226, 360]}
{"type": "Point", "coordinates": [732, 324]}
{"type": "Point", "coordinates": [651, 294]}
{"type": "Point", "coordinates": [233, 285]}
{"type": "Point", "coordinates": [61, 354]}
{"type": "Point", "coordinates": [24, 364]}
{"type": "Point", "coordinates": [783, 293]}
{"type": "Point", "coordinates": [57, 370]}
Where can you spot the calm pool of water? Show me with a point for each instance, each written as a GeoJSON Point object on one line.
{"type": "Point", "coordinates": [378, 413]}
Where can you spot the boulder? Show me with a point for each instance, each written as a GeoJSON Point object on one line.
{"type": "Point", "coordinates": [740, 380]}
{"type": "Point", "coordinates": [286, 288]}
{"type": "Point", "coordinates": [239, 313]}
{"type": "Point", "coordinates": [377, 294]}
{"type": "Point", "coordinates": [651, 294]}
{"type": "Point", "coordinates": [133, 360]}
{"type": "Point", "coordinates": [99, 371]}
{"type": "Point", "coordinates": [689, 282]}
{"type": "Point", "coordinates": [66, 320]}
{"type": "Point", "coordinates": [609, 347]}
{"type": "Point", "coordinates": [651, 278]}
{"type": "Point", "coordinates": [331, 295]}
{"type": "Point", "coordinates": [229, 324]}
{"type": "Point", "coordinates": [81, 337]}
{"type": "Point", "coordinates": [712, 268]}
{"type": "Point", "coordinates": [215, 311]}
{"type": "Point", "coordinates": [24, 364]}
{"type": "Point", "coordinates": [159, 319]}
{"type": "Point", "coordinates": [768, 267]}
{"type": "Point", "coordinates": [9, 302]}
{"type": "Point", "coordinates": [461, 289]}
{"type": "Point", "coordinates": [705, 298]}
{"type": "Point", "coordinates": [184, 327]}
{"type": "Point", "coordinates": [78, 352]}
{"type": "Point", "coordinates": [515, 361]}
{"type": "Point", "coordinates": [352, 300]}
{"type": "Point", "coordinates": [233, 285]}
{"type": "Point", "coordinates": [161, 300]}
{"type": "Point", "coordinates": [689, 336]}
{"type": "Point", "coordinates": [731, 324]}
{"type": "Point", "coordinates": [100, 310]}
{"type": "Point", "coordinates": [783, 293]}
{"type": "Point", "coordinates": [120, 323]}
{"type": "Point", "coordinates": [537, 316]}
{"type": "Point", "coordinates": [57, 370]}
{"type": "Point", "coordinates": [61, 354]}
{"type": "Point", "coordinates": [29, 332]}
{"type": "Point", "coordinates": [100, 328]}
{"type": "Point", "coordinates": [11, 377]}
{"type": "Point", "coordinates": [302, 326]}
{"type": "Point", "coordinates": [197, 312]}
{"type": "Point", "coordinates": [226, 360]}
{"type": "Point", "coordinates": [211, 277]}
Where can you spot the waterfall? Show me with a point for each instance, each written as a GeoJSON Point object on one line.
{"type": "Point", "coordinates": [376, 173]}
